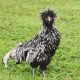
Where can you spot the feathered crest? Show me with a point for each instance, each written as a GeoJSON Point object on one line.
{"type": "Point", "coordinates": [48, 12]}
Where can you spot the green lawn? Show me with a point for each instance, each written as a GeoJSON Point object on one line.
{"type": "Point", "coordinates": [20, 21]}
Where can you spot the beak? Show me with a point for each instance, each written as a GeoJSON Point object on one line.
{"type": "Point", "coordinates": [49, 18]}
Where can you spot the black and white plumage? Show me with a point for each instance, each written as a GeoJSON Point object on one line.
{"type": "Point", "coordinates": [39, 50]}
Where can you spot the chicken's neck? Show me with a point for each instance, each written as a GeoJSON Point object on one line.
{"type": "Point", "coordinates": [47, 27]}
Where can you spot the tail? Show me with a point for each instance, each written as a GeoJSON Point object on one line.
{"type": "Point", "coordinates": [6, 58]}
{"type": "Point", "coordinates": [18, 53]}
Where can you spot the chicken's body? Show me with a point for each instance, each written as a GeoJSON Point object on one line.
{"type": "Point", "coordinates": [39, 50]}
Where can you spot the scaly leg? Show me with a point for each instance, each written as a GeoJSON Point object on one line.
{"type": "Point", "coordinates": [33, 70]}
{"type": "Point", "coordinates": [43, 73]}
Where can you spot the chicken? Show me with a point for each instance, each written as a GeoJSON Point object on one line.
{"type": "Point", "coordinates": [40, 50]}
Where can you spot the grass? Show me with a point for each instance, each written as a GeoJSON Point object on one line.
{"type": "Point", "coordinates": [20, 21]}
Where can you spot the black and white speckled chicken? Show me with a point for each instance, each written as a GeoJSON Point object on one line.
{"type": "Point", "coordinates": [40, 50]}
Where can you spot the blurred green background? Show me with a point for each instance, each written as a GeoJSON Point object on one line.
{"type": "Point", "coordinates": [20, 21]}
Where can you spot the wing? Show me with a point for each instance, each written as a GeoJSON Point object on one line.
{"type": "Point", "coordinates": [34, 47]}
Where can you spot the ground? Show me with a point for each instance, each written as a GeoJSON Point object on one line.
{"type": "Point", "coordinates": [20, 21]}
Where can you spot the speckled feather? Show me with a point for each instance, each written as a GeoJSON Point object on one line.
{"type": "Point", "coordinates": [39, 50]}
